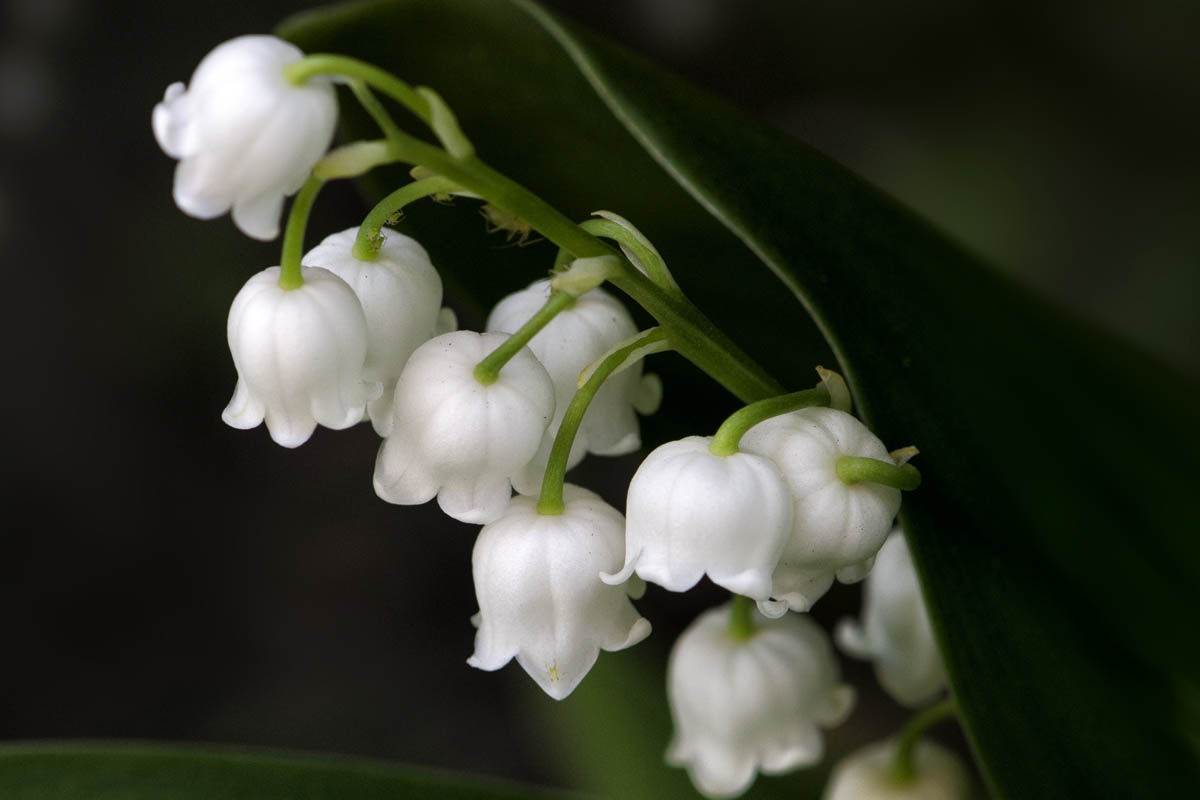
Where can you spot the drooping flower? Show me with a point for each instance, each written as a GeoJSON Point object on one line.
{"type": "Point", "coordinates": [693, 513]}
{"type": "Point", "coordinates": [747, 705]}
{"type": "Point", "coordinates": [837, 528]}
{"type": "Point", "coordinates": [245, 135]}
{"type": "Point", "coordinates": [299, 356]}
{"type": "Point", "coordinates": [540, 598]}
{"type": "Point", "coordinates": [456, 438]}
{"type": "Point", "coordinates": [895, 632]}
{"type": "Point", "coordinates": [570, 342]}
{"type": "Point", "coordinates": [401, 294]}
{"type": "Point", "coordinates": [866, 774]}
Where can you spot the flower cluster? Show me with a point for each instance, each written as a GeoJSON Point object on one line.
{"type": "Point", "coordinates": [790, 494]}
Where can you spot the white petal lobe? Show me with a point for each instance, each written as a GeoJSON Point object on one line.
{"type": "Point", "coordinates": [451, 433]}
{"type": "Point", "coordinates": [540, 598]}
{"type": "Point", "coordinates": [742, 706]}
{"type": "Point", "coordinates": [299, 356]}
{"type": "Point", "coordinates": [895, 631]}
{"type": "Point", "coordinates": [574, 339]}
{"type": "Point", "coordinates": [693, 513]}
{"type": "Point", "coordinates": [246, 136]}
{"type": "Point", "coordinates": [836, 528]}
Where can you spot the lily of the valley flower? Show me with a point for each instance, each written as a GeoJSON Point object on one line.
{"type": "Point", "coordinates": [691, 513]}
{"type": "Point", "coordinates": [867, 774]}
{"type": "Point", "coordinates": [895, 632]}
{"type": "Point", "coordinates": [837, 528]}
{"type": "Point", "coordinates": [246, 137]}
{"type": "Point", "coordinates": [576, 337]}
{"type": "Point", "coordinates": [299, 356]}
{"type": "Point", "coordinates": [747, 705]}
{"type": "Point", "coordinates": [540, 600]}
{"type": "Point", "coordinates": [401, 294]}
{"type": "Point", "coordinates": [456, 438]}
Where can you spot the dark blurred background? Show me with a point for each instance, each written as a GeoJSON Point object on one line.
{"type": "Point", "coordinates": [166, 577]}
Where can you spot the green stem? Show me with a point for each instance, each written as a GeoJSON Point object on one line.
{"type": "Point", "coordinates": [690, 332]}
{"type": "Point", "coordinates": [853, 469]}
{"type": "Point", "coordinates": [902, 769]}
{"type": "Point", "coordinates": [369, 240]}
{"type": "Point", "coordinates": [550, 502]}
{"type": "Point", "coordinates": [299, 72]}
{"type": "Point", "coordinates": [487, 370]}
{"type": "Point", "coordinates": [741, 618]}
{"type": "Point", "coordinates": [290, 276]}
{"type": "Point", "coordinates": [371, 104]}
{"type": "Point", "coordinates": [725, 442]}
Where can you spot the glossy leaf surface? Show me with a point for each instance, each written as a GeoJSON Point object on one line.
{"type": "Point", "coordinates": [1055, 531]}
{"type": "Point", "coordinates": [135, 772]}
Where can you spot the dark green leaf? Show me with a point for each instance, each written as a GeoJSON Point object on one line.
{"type": "Point", "coordinates": [1055, 531]}
{"type": "Point", "coordinates": [134, 772]}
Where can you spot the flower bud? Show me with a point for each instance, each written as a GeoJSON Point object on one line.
{"type": "Point", "coordinates": [752, 704]}
{"type": "Point", "coordinates": [836, 527]}
{"type": "Point", "coordinates": [575, 338]}
{"type": "Point", "coordinates": [938, 774]}
{"type": "Point", "coordinates": [299, 356]}
{"type": "Point", "coordinates": [245, 135]}
{"type": "Point", "coordinates": [895, 632]}
{"type": "Point", "coordinates": [692, 512]}
{"type": "Point", "coordinates": [401, 295]}
{"type": "Point", "coordinates": [457, 438]}
{"type": "Point", "coordinates": [540, 600]}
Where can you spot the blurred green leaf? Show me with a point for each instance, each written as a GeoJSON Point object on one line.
{"type": "Point", "coordinates": [1055, 531]}
{"type": "Point", "coordinates": [136, 772]}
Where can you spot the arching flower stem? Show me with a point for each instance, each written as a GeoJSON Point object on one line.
{"type": "Point", "coordinates": [487, 370]}
{"type": "Point", "coordinates": [901, 770]}
{"type": "Point", "coordinates": [853, 469]}
{"type": "Point", "coordinates": [330, 64]}
{"type": "Point", "coordinates": [293, 235]}
{"type": "Point", "coordinates": [550, 501]}
{"type": "Point", "coordinates": [725, 442]}
{"type": "Point", "coordinates": [368, 241]}
{"type": "Point", "coordinates": [691, 333]}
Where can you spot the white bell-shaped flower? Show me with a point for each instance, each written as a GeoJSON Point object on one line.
{"type": "Point", "coordinates": [836, 527]}
{"type": "Point", "coordinates": [571, 341]}
{"type": "Point", "coordinates": [540, 598]}
{"type": "Point", "coordinates": [744, 705]}
{"type": "Point", "coordinates": [401, 295]}
{"type": "Point", "coordinates": [938, 774]}
{"type": "Point", "coordinates": [691, 512]}
{"type": "Point", "coordinates": [245, 135]}
{"type": "Point", "coordinates": [299, 356]}
{"type": "Point", "coordinates": [460, 439]}
{"type": "Point", "coordinates": [895, 632]}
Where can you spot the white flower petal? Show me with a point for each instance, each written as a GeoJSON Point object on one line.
{"type": "Point", "coordinates": [895, 631]}
{"type": "Point", "coordinates": [246, 136]}
{"type": "Point", "coordinates": [938, 774]}
{"type": "Point", "coordinates": [836, 527]}
{"type": "Point", "coordinates": [540, 600]}
{"type": "Point", "coordinates": [575, 338]}
{"type": "Point", "coordinates": [401, 295]}
{"type": "Point", "coordinates": [258, 217]}
{"type": "Point", "coordinates": [459, 435]}
{"type": "Point", "coordinates": [299, 356]}
{"type": "Point", "coordinates": [746, 705]}
{"type": "Point", "coordinates": [691, 513]}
